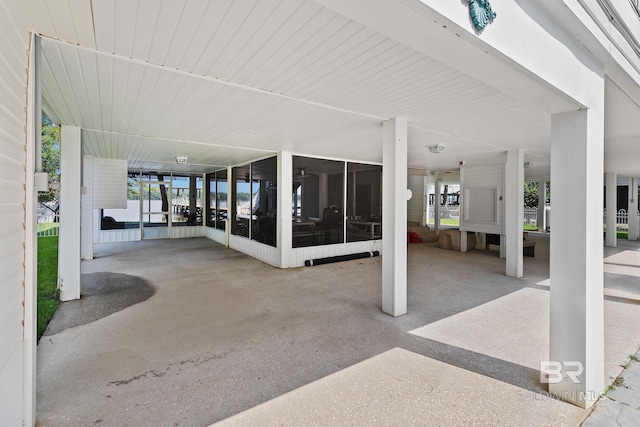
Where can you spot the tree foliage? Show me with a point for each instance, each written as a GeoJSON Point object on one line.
{"type": "Point", "coordinates": [50, 158]}
{"type": "Point", "coordinates": [531, 194]}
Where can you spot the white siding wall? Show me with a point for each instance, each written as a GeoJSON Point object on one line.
{"type": "Point", "coordinates": [415, 206]}
{"type": "Point", "coordinates": [128, 235]}
{"type": "Point", "coordinates": [263, 252]}
{"type": "Point", "coordinates": [109, 184]}
{"type": "Point", "coordinates": [189, 231]}
{"type": "Point", "coordinates": [133, 234]}
{"type": "Point", "coordinates": [216, 235]}
{"type": "Point", "coordinates": [14, 51]}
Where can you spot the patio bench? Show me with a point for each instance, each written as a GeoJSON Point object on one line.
{"type": "Point", "coordinates": [529, 248]}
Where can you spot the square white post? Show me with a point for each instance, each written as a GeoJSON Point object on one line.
{"type": "Point", "coordinates": [514, 212]}
{"type": "Point", "coordinates": [436, 204]}
{"type": "Point", "coordinates": [634, 225]}
{"type": "Point", "coordinates": [576, 308]}
{"type": "Point", "coordinates": [284, 230]}
{"type": "Point", "coordinates": [611, 181]}
{"type": "Point", "coordinates": [394, 217]}
{"type": "Point", "coordinates": [231, 191]}
{"type": "Point", "coordinates": [70, 217]}
{"type": "Point", "coordinates": [33, 164]}
{"type": "Point", "coordinates": [425, 200]}
{"type": "Point", "coordinates": [542, 200]}
{"type": "Point", "coordinates": [86, 228]}
{"type": "Point", "coordinates": [427, 203]}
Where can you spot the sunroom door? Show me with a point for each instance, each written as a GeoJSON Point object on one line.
{"type": "Point", "coordinates": [155, 212]}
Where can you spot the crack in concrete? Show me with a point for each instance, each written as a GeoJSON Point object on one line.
{"type": "Point", "coordinates": [154, 373]}
{"type": "Point", "coordinates": [200, 360]}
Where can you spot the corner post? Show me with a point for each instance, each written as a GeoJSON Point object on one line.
{"type": "Point", "coordinates": [576, 337]}
{"type": "Point", "coordinates": [394, 217]}
{"type": "Point", "coordinates": [70, 209]}
{"type": "Point", "coordinates": [514, 212]}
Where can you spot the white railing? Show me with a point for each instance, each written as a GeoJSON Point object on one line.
{"type": "Point", "coordinates": [48, 220]}
{"type": "Point", "coordinates": [445, 212]}
{"type": "Point", "coordinates": [622, 218]}
{"type": "Point", "coordinates": [531, 216]}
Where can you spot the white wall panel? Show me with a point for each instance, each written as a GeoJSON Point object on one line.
{"type": "Point", "coordinates": [14, 51]}
{"type": "Point", "coordinates": [189, 231]}
{"type": "Point", "coordinates": [216, 235]}
{"type": "Point", "coordinates": [257, 250]}
{"type": "Point", "coordinates": [108, 236]}
{"type": "Point", "coordinates": [109, 184]}
{"type": "Point", "coordinates": [482, 179]}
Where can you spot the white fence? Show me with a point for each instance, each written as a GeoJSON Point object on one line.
{"type": "Point", "coordinates": [531, 216]}
{"type": "Point", "coordinates": [445, 212]}
{"type": "Point", "coordinates": [48, 220]}
{"type": "Point", "coordinates": [622, 218]}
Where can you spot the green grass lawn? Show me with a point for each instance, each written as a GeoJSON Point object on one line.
{"type": "Point", "coordinates": [48, 298]}
{"type": "Point", "coordinates": [448, 221]}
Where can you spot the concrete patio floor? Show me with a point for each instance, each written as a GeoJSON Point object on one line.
{"type": "Point", "coordinates": [226, 338]}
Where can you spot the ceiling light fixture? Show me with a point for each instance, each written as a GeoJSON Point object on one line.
{"type": "Point", "coordinates": [181, 159]}
{"type": "Point", "coordinates": [438, 148]}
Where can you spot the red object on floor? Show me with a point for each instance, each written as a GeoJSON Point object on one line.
{"type": "Point", "coordinates": [413, 237]}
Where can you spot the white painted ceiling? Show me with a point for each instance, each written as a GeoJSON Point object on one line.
{"type": "Point", "coordinates": [224, 82]}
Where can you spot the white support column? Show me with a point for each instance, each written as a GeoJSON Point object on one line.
{"type": "Point", "coordinates": [514, 212]}
{"type": "Point", "coordinates": [86, 228]}
{"type": "Point", "coordinates": [436, 205]}
{"type": "Point", "coordinates": [611, 181]}
{"type": "Point", "coordinates": [576, 344]}
{"type": "Point", "coordinates": [394, 217]}
{"type": "Point", "coordinates": [463, 241]}
{"type": "Point", "coordinates": [285, 229]}
{"type": "Point", "coordinates": [33, 164]}
{"type": "Point", "coordinates": [430, 181]}
{"type": "Point", "coordinates": [70, 217]}
{"type": "Point", "coordinates": [542, 200]}
{"type": "Point", "coordinates": [425, 200]}
{"type": "Point", "coordinates": [634, 225]}
{"type": "Point", "coordinates": [231, 191]}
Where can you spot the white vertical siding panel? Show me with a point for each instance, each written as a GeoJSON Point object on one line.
{"type": "Point", "coordinates": [109, 236]}
{"type": "Point", "coordinates": [186, 232]}
{"type": "Point", "coordinates": [109, 184]}
{"type": "Point", "coordinates": [216, 235]}
{"type": "Point", "coordinates": [264, 253]}
{"type": "Point", "coordinates": [14, 51]}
